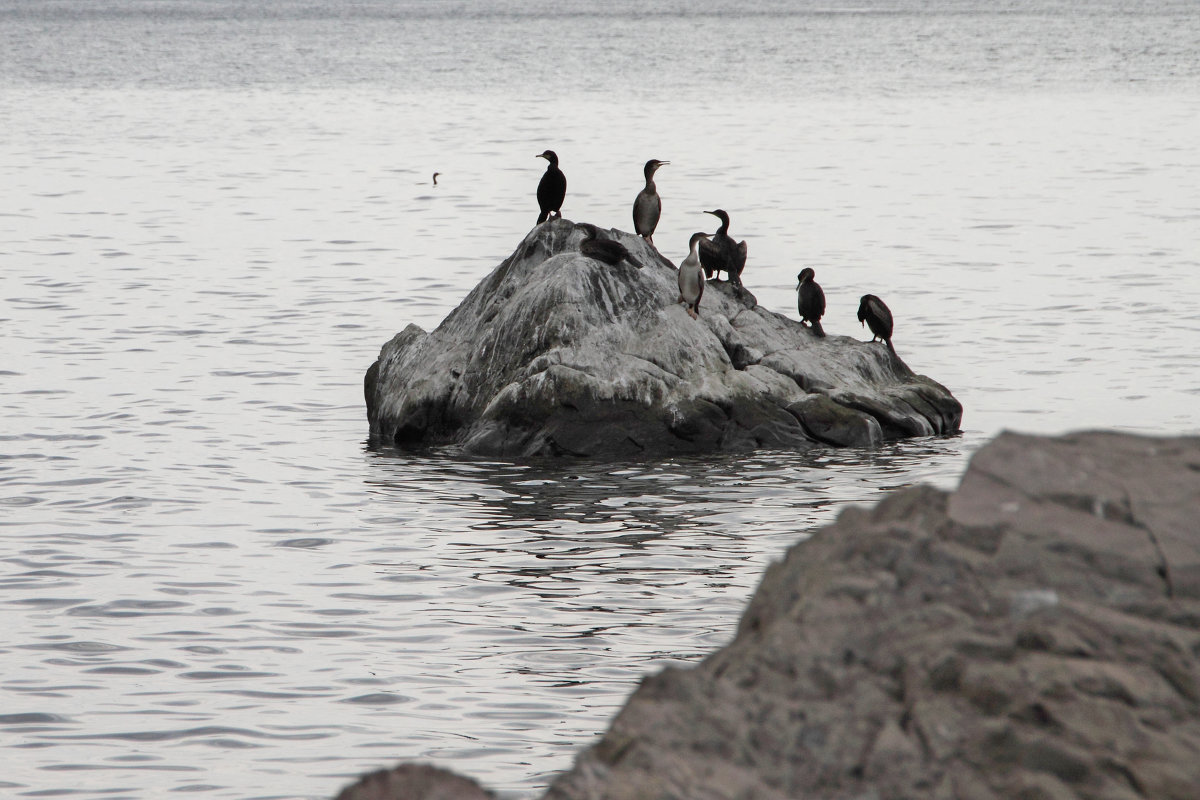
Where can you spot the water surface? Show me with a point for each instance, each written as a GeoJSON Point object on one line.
{"type": "Point", "coordinates": [218, 211]}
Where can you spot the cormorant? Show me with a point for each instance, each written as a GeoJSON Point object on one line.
{"type": "Point", "coordinates": [647, 208]}
{"type": "Point", "coordinates": [721, 254]}
{"type": "Point", "coordinates": [609, 251]}
{"type": "Point", "coordinates": [435, 178]}
{"type": "Point", "coordinates": [872, 311]}
{"type": "Point", "coordinates": [552, 189]}
{"type": "Point", "coordinates": [810, 300]}
{"type": "Point", "coordinates": [691, 276]}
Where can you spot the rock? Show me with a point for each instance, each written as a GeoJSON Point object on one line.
{"type": "Point", "coordinates": [414, 782]}
{"type": "Point", "coordinates": [557, 353]}
{"type": "Point", "coordinates": [1036, 633]}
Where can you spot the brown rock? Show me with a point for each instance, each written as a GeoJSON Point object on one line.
{"type": "Point", "coordinates": [414, 782]}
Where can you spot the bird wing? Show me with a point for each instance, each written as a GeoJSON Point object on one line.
{"type": "Point", "coordinates": [647, 208]}
{"type": "Point", "coordinates": [885, 316]}
{"type": "Point", "coordinates": [710, 257]}
{"type": "Point", "coordinates": [552, 189]}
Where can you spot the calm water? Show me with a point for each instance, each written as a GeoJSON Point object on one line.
{"type": "Point", "coordinates": [216, 212]}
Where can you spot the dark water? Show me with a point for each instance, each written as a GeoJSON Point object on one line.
{"type": "Point", "coordinates": [217, 212]}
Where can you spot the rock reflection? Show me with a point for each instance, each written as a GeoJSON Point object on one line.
{"type": "Point", "coordinates": [586, 515]}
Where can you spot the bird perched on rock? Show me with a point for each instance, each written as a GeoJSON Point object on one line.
{"type": "Point", "coordinates": [647, 207]}
{"type": "Point", "coordinates": [609, 251]}
{"type": "Point", "coordinates": [691, 276]}
{"type": "Point", "coordinates": [873, 312]}
{"type": "Point", "coordinates": [552, 189]}
{"type": "Point", "coordinates": [721, 253]}
{"type": "Point", "coordinates": [810, 300]}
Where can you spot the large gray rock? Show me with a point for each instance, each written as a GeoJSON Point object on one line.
{"type": "Point", "coordinates": [1035, 634]}
{"type": "Point", "coordinates": [554, 352]}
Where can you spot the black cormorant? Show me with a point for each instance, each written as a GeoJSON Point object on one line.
{"type": "Point", "coordinates": [435, 178]}
{"type": "Point", "coordinates": [647, 208]}
{"type": "Point", "coordinates": [810, 300]}
{"type": "Point", "coordinates": [721, 253]}
{"type": "Point", "coordinates": [552, 189]}
{"type": "Point", "coordinates": [873, 312]}
{"type": "Point", "coordinates": [609, 251]}
{"type": "Point", "coordinates": [691, 276]}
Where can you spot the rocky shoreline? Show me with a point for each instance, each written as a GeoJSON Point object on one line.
{"type": "Point", "coordinates": [1033, 634]}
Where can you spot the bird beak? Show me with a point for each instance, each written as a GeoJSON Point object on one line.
{"type": "Point", "coordinates": [541, 155]}
{"type": "Point", "coordinates": [663, 163]}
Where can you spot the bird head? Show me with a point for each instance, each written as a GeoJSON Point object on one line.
{"type": "Point", "coordinates": [550, 156]}
{"type": "Point", "coordinates": [721, 215]}
{"type": "Point", "coordinates": [652, 166]}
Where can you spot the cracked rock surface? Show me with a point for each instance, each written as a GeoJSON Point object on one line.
{"type": "Point", "coordinates": [1034, 634]}
{"type": "Point", "coordinates": [557, 353]}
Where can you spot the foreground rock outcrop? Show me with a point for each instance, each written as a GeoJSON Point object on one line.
{"type": "Point", "coordinates": [558, 353]}
{"type": "Point", "coordinates": [1034, 634]}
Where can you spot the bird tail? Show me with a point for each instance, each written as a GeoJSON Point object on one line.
{"type": "Point", "coordinates": [891, 349]}
{"type": "Point", "coordinates": [542, 217]}
{"type": "Point", "coordinates": [817, 329]}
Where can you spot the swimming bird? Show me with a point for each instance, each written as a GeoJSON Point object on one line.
{"type": "Point", "coordinates": [647, 208]}
{"type": "Point", "coordinates": [552, 189]}
{"type": "Point", "coordinates": [872, 311]}
{"type": "Point", "coordinates": [435, 178]}
{"type": "Point", "coordinates": [609, 251]}
{"type": "Point", "coordinates": [810, 300]}
{"type": "Point", "coordinates": [721, 253]}
{"type": "Point", "coordinates": [691, 276]}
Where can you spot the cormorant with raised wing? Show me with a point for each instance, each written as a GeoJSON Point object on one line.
{"type": "Point", "coordinates": [721, 253]}
{"type": "Point", "coordinates": [552, 189]}
{"type": "Point", "coordinates": [647, 208]}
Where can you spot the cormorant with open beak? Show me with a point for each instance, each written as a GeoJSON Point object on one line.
{"type": "Point", "coordinates": [647, 207]}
